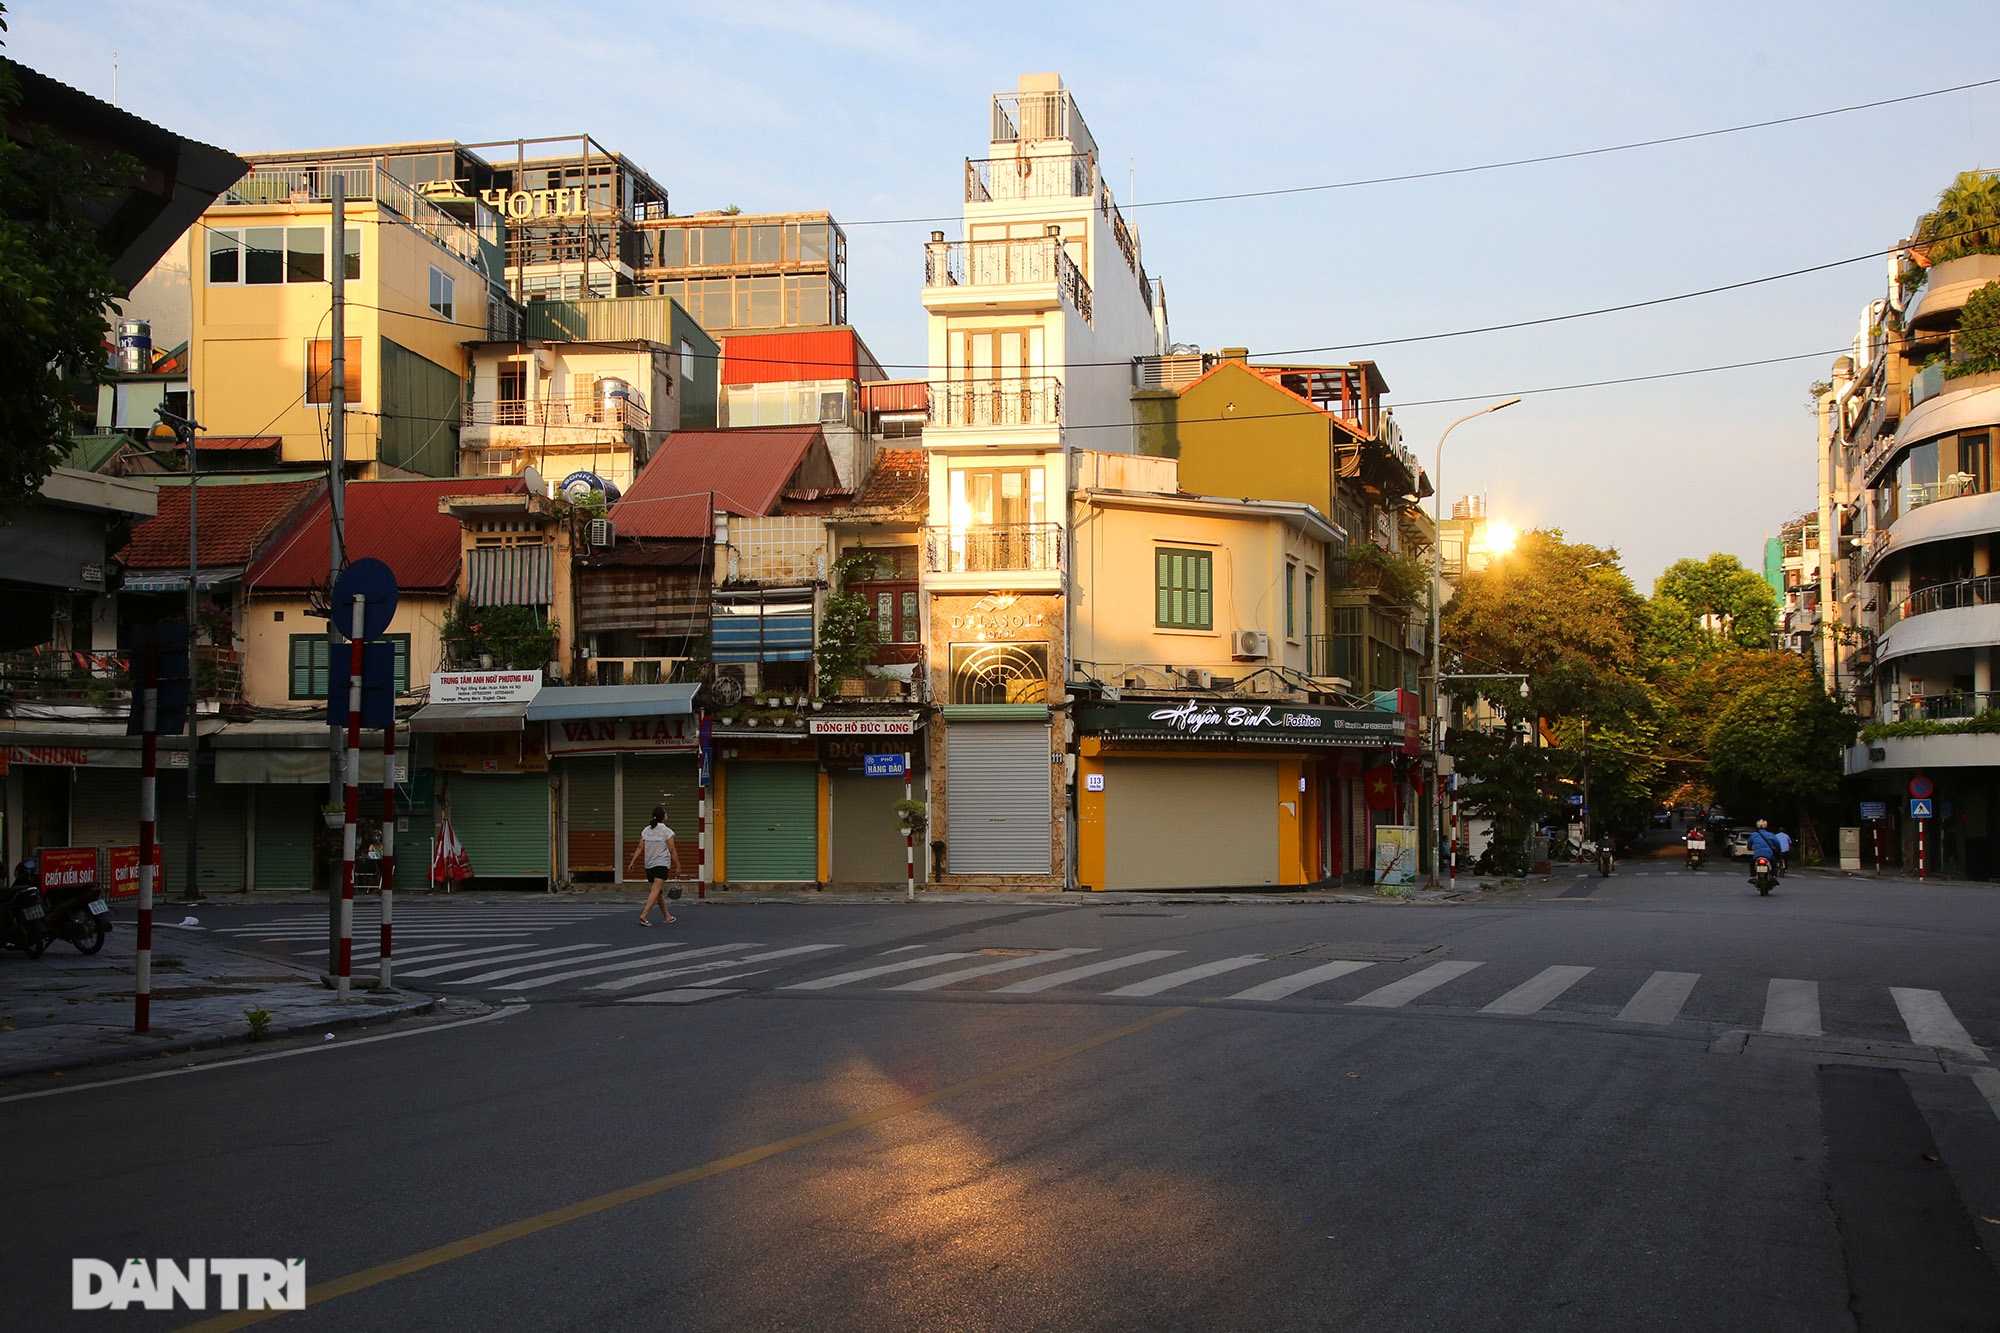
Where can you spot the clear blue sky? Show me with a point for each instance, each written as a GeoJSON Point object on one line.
{"type": "Point", "coordinates": [868, 109]}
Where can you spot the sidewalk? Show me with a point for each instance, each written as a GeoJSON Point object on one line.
{"type": "Point", "coordinates": [67, 1011]}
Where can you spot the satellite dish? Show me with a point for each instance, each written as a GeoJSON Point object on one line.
{"type": "Point", "coordinates": [531, 475]}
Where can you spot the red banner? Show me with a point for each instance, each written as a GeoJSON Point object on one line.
{"type": "Point", "coordinates": [65, 867]}
{"type": "Point", "coordinates": [125, 871]}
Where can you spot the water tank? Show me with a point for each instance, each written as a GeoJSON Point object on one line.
{"type": "Point", "coordinates": [135, 346]}
{"type": "Point", "coordinates": [578, 485]}
{"type": "Point", "coordinates": [612, 396]}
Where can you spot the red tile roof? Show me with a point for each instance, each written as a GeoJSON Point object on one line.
{"type": "Point", "coordinates": [396, 522]}
{"type": "Point", "coordinates": [236, 522]}
{"type": "Point", "coordinates": [744, 471]}
{"type": "Point", "coordinates": [204, 443]}
{"type": "Point", "coordinates": [897, 481]}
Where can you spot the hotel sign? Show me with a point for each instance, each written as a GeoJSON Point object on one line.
{"type": "Point", "coordinates": [1237, 723]}
{"type": "Point", "coordinates": [519, 204]}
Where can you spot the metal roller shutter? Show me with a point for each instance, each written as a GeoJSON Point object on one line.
{"type": "Point", "coordinates": [591, 786]}
{"type": "Point", "coordinates": [772, 828]}
{"type": "Point", "coordinates": [103, 811]}
{"type": "Point", "coordinates": [866, 844]}
{"type": "Point", "coordinates": [223, 814]}
{"type": "Point", "coordinates": [288, 819]}
{"type": "Point", "coordinates": [1190, 823]}
{"type": "Point", "coordinates": [650, 780]}
{"type": "Point", "coordinates": [502, 820]}
{"type": "Point", "coordinates": [997, 798]}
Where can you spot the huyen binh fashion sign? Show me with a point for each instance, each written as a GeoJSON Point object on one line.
{"type": "Point", "coordinates": [1243, 723]}
{"type": "Point", "coordinates": [622, 735]}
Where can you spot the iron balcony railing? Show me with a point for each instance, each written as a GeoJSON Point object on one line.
{"type": "Point", "coordinates": [1055, 176]}
{"type": "Point", "coordinates": [583, 409]}
{"type": "Point", "coordinates": [1954, 596]}
{"type": "Point", "coordinates": [1039, 259]}
{"type": "Point", "coordinates": [363, 181]}
{"type": "Point", "coordinates": [997, 549]}
{"type": "Point", "coordinates": [1022, 400]}
{"type": "Point", "coordinates": [1026, 117]}
{"type": "Point", "coordinates": [1917, 494]}
{"type": "Point", "coordinates": [1954, 706]}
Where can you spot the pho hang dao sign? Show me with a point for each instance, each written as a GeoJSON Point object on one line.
{"type": "Point", "coordinates": [1244, 723]}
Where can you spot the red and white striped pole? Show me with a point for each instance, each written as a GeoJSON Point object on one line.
{"type": "Point", "coordinates": [909, 833]}
{"type": "Point", "coordinates": [1878, 844]}
{"type": "Point", "coordinates": [149, 768]}
{"type": "Point", "coordinates": [352, 804]}
{"type": "Point", "coordinates": [701, 835]}
{"type": "Point", "coordinates": [388, 837]}
{"type": "Point", "coordinates": [1920, 847]}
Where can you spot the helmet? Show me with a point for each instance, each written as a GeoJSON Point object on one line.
{"type": "Point", "coordinates": [1762, 824]}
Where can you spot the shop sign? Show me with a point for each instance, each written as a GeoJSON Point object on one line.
{"type": "Point", "coordinates": [518, 204]}
{"type": "Point", "coordinates": [610, 735]}
{"type": "Point", "coordinates": [125, 869]}
{"type": "Point", "coordinates": [66, 867]}
{"type": "Point", "coordinates": [864, 726]}
{"type": "Point", "coordinates": [1244, 723]}
{"type": "Point", "coordinates": [82, 756]}
{"type": "Point", "coordinates": [1874, 809]}
{"type": "Point", "coordinates": [484, 687]}
{"type": "Point", "coordinates": [1000, 624]}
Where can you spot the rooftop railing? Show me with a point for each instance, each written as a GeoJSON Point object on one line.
{"type": "Point", "coordinates": [1056, 176]}
{"type": "Point", "coordinates": [1025, 117]}
{"type": "Point", "coordinates": [363, 182]}
{"type": "Point", "coordinates": [995, 549]}
{"type": "Point", "coordinates": [1957, 705]}
{"type": "Point", "coordinates": [1954, 596]}
{"type": "Point", "coordinates": [1020, 400]}
{"type": "Point", "coordinates": [583, 409]}
{"type": "Point", "coordinates": [1039, 259]}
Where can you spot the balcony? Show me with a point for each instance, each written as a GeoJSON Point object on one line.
{"type": "Point", "coordinates": [1006, 179]}
{"type": "Point", "coordinates": [1026, 117]}
{"type": "Point", "coordinates": [637, 670]}
{"type": "Point", "coordinates": [1953, 596]}
{"type": "Point", "coordinates": [1954, 706]}
{"type": "Point", "coordinates": [1026, 400]}
{"type": "Point", "coordinates": [363, 183]}
{"type": "Point", "coordinates": [1038, 261]}
{"type": "Point", "coordinates": [1000, 549]}
{"type": "Point", "coordinates": [1927, 384]}
{"type": "Point", "coordinates": [582, 409]}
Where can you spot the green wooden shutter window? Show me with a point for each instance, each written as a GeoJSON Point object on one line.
{"type": "Point", "coordinates": [1184, 597]}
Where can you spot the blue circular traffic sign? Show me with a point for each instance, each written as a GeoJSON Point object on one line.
{"type": "Point", "coordinates": [375, 584]}
{"type": "Point", "coordinates": [1920, 787]}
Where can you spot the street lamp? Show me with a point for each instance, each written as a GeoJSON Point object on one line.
{"type": "Point", "coordinates": [1437, 576]}
{"type": "Point", "coordinates": [183, 429]}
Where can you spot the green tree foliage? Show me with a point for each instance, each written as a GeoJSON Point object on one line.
{"type": "Point", "coordinates": [1774, 746]}
{"type": "Point", "coordinates": [1977, 347]}
{"type": "Point", "coordinates": [1699, 606]}
{"type": "Point", "coordinates": [847, 632]}
{"type": "Point", "coordinates": [55, 284]}
{"type": "Point", "coordinates": [1510, 783]}
{"type": "Point", "coordinates": [1965, 221]}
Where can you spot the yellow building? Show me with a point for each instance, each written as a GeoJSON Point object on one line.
{"type": "Point", "coordinates": [420, 284]}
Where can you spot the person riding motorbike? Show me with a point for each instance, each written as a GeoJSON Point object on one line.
{"type": "Point", "coordinates": [1763, 842]}
{"type": "Point", "coordinates": [1697, 846]}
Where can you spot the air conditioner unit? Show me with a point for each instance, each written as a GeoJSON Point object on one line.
{"type": "Point", "coordinates": [1253, 643]}
{"type": "Point", "coordinates": [601, 532]}
{"type": "Point", "coordinates": [1198, 678]}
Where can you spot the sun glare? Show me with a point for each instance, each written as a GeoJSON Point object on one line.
{"type": "Point", "coordinates": [1500, 536]}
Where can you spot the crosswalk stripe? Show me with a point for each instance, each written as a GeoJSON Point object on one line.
{"type": "Point", "coordinates": [499, 974]}
{"type": "Point", "coordinates": [626, 983]}
{"type": "Point", "coordinates": [513, 956]}
{"type": "Point", "coordinates": [485, 951]}
{"type": "Point", "coordinates": [598, 969]}
{"type": "Point", "coordinates": [1168, 981]}
{"type": "Point", "coordinates": [1792, 1007]}
{"type": "Point", "coordinates": [689, 996]}
{"type": "Point", "coordinates": [1660, 999]}
{"type": "Point", "coordinates": [1538, 991]}
{"type": "Point", "coordinates": [1063, 978]}
{"type": "Point", "coordinates": [987, 969]}
{"type": "Point", "coordinates": [1398, 993]}
{"type": "Point", "coordinates": [1931, 1022]}
{"type": "Point", "coordinates": [1298, 981]}
{"type": "Point", "coordinates": [880, 969]}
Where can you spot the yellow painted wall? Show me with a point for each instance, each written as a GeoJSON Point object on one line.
{"type": "Point", "coordinates": [1241, 435]}
{"type": "Point", "coordinates": [266, 643]}
{"type": "Point", "coordinates": [1297, 849]}
{"type": "Point", "coordinates": [824, 797]}
{"type": "Point", "coordinates": [1090, 868]}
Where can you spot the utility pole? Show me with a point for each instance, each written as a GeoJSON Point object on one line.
{"type": "Point", "coordinates": [191, 891]}
{"type": "Point", "coordinates": [337, 507]}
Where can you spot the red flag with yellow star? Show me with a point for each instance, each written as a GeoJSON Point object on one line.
{"type": "Point", "coordinates": [1380, 785]}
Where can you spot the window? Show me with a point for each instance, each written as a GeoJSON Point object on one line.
{"type": "Point", "coordinates": [1183, 581]}
{"type": "Point", "coordinates": [1291, 601]}
{"type": "Point", "coordinates": [996, 497]}
{"type": "Point", "coordinates": [999, 673]}
{"type": "Point", "coordinates": [309, 671]}
{"type": "Point", "coordinates": [687, 360]}
{"type": "Point", "coordinates": [1311, 581]}
{"type": "Point", "coordinates": [271, 256]}
{"type": "Point", "coordinates": [441, 293]}
{"type": "Point", "coordinates": [319, 371]}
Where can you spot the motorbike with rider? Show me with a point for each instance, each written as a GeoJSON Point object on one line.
{"type": "Point", "coordinates": [1765, 852]}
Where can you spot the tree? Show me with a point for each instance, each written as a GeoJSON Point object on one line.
{"type": "Point", "coordinates": [1965, 220]}
{"type": "Point", "coordinates": [1509, 783]}
{"type": "Point", "coordinates": [1977, 347]}
{"type": "Point", "coordinates": [1775, 745]}
{"type": "Point", "coordinates": [1718, 595]}
{"type": "Point", "coordinates": [56, 282]}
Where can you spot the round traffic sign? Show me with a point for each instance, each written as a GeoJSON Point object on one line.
{"type": "Point", "coordinates": [375, 584]}
{"type": "Point", "coordinates": [1920, 787]}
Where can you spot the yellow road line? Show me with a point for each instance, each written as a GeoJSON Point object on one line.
{"type": "Point", "coordinates": [528, 1226]}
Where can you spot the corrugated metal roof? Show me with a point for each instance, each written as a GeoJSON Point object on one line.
{"type": "Point", "coordinates": [784, 358]}
{"type": "Point", "coordinates": [743, 471]}
{"type": "Point", "coordinates": [896, 396]}
{"type": "Point", "coordinates": [396, 522]}
{"type": "Point", "coordinates": [236, 523]}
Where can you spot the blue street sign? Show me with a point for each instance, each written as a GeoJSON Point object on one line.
{"type": "Point", "coordinates": [1920, 807]}
{"type": "Point", "coordinates": [378, 686]}
{"type": "Point", "coordinates": [882, 765]}
{"type": "Point", "coordinates": [375, 584]}
{"type": "Point", "coordinates": [1574, 798]}
{"type": "Point", "coordinates": [1874, 809]}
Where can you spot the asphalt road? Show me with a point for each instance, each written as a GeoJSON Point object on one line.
{"type": "Point", "coordinates": [1653, 1101]}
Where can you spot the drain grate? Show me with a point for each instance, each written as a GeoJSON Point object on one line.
{"type": "Point", "coordinates": [1368, 953]}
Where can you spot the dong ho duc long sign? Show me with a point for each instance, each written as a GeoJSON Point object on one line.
{"type": "Point", "coordinates": [1245, 723]}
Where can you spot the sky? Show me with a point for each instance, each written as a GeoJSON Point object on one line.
{"type": "Point", "coordinates": [868, 110]}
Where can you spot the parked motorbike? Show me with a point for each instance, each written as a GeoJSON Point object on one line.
{"type": "Point", "coordinates": [1697, 850]}
{"type": "Point", "coordinates": [22, 916]}
{"type": "Point", "coordinates": [1764, 875]}
{"type": "Point", "coordinates": [79, 914]}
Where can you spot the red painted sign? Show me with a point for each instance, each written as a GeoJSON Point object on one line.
{"type": "Point", "coordinates": [66, 867]}
{"type": "Point", "coordinates": [125, 870]}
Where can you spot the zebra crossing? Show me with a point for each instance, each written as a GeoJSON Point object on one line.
{"type": "Point", "coordinates": [428, 930]}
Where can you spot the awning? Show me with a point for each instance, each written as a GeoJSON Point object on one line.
{"type": "Point", "coordinates": [157, 581]}
{"type": "Point", "coordinates": [295, 767]}
{"type": "Point", "coordinates": [470, 717]}
{"type": "Point", "coordinates": [562, 703]}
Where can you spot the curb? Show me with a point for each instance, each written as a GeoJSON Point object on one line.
{"type": "Point", "coordinates": [422, 1004]}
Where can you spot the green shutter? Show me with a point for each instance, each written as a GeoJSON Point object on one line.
{"type": "Point", "coordinates": [288, 817]}
{"type": "Point", "coordinates": [654, 779]}
{"type": "Point", "coordinates": [502, 820]}
{"type": "Point", "coordinates": [773, 822]}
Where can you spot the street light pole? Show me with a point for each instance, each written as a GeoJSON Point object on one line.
{"type": "Point", "coordinates": [1437, 577]}
{"type": "Point", "coordinates": [184, 429]}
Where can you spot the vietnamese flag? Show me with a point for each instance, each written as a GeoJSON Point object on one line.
{"type": "Point", "coordinates": [1380, 784]}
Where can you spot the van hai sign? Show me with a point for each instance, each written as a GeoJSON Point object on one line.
{"type": "Point", "coordinates": [1243, 723]}
{"type": "Point", "coordinates": [613, 735]}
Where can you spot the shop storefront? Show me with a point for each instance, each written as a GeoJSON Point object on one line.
{"type": "Point", "coordinates": [1176, 794]}
{"type": "Point", "coordinates": [865, 757]}
{"type": "Point", "coordinates": [615, 753]}
{"type": "Point", "coordinates": [492, 772]}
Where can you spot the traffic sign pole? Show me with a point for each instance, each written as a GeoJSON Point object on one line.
{"type": "Point", "coordinates": [387, 888]}
{"type": "Point", "coordinates": [1920, 849]}
{"type": "Point", "coordinates": [909, 834]}
{"type": "Point", "coordinates": [352, 800]}
{"type": "Point", "coordinates": [149, 768]}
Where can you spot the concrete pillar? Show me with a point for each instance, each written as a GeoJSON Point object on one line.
{"type": "Point", "coordinates": [1982, 555]}
{"type": "Point", "coordinates": [1982, 673]}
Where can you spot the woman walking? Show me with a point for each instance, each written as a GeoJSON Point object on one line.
{"type": "Point", "coordinates": [656, 843]}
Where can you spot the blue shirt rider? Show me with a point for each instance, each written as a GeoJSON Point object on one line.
{"type": "Point", "coordinates": [1763, 842]}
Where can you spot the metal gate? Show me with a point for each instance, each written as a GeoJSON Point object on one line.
{"type": "Point", "coordinates": [866, 844]}
{"type": "Point", "coordinates": [1190, 823]}
{"type": "Point", "coordinates": [502, 820]}
{"type": "Point", "coordinates": [997, 798]}
{"type": "Point", "coordinates": [650, 780]}
{"type": "Point", "coordinates": [772, 825]}
{"type": "Point", "coordinates": [288, 820]}
{"type": "Point", "coordinates": [589, 813]}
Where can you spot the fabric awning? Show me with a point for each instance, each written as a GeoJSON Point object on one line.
{"type": "Point", "coordinates": [470, 717]}
{"type": "Point", "coordinates": [562, 703]}
{"type": "Point", "coordinates": [297, 767]}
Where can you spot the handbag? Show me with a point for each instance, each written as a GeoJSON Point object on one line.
{"type": "Point", "coordinates": [673, 890]}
